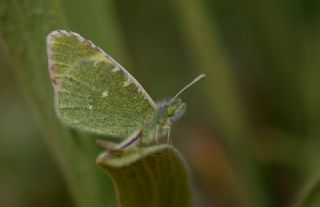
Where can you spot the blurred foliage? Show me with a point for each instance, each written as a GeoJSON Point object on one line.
{"type": "Point", "coordinates": [28, 175]}
{"type": "Point", "coordinates": [251, 134]}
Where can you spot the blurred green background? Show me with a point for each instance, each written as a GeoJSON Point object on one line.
{"type": "Point", "coordinates": [251, 133]}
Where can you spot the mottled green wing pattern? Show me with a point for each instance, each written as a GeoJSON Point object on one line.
{"type": "Point", "coordinates": [92, 91]}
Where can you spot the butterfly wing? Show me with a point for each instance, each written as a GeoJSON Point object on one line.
{"type": "Point", "coordinates": [92, 91]}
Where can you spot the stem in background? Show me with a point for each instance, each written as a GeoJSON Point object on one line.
{"type": "Point", "coordinates": [278, 39]}
{"type": "Point", "coordinates": [310, 194]}
{"type": "Point", "coordinates": [24, 26]}
{"type": "Point", "coordinates": [311, 79]}
{"type": "Point", "coordinates": [202, 39]}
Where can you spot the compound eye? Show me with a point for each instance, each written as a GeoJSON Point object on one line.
{"type": "Point", "coordinates": [170, 111]}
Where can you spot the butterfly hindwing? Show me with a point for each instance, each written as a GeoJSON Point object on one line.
{"type": "Point", "coordinates": [92, 91]}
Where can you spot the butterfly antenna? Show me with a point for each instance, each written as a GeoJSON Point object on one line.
{"type": "Point", "coordinates": [200, 77]}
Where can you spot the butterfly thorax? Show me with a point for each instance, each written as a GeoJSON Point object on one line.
{"type": "Point", "coordinates": [168, 113]}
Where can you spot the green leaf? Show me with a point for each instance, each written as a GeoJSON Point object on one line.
{"type": "Point", "coordinates": [149, 176]}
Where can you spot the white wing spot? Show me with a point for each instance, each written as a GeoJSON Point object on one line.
{"type": "Point", "coordinates": [127, 82]}
{"type": "Point", "coordinates": [105, 93]}
{"type": "Point", "coordinates": [115, 69]}
{"type": "Point", "coordinates": [96, 63]}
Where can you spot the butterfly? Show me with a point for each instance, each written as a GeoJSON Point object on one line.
{"type": "Point", "coordinates": [95, 94]}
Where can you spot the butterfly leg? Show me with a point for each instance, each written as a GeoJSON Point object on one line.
{"type": "Point", "coordinates": [133, 139]}
{"type": "Point", "coordinates": [110, 148]}
{"type": "Point", "coordinates": [119, 149]}
{"type": "Point", "coordinates": [168, 136]}
{"type": "Point", "coordinates": [157, 134]}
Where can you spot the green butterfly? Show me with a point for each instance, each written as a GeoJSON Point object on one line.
{"type": "Point", "coordinates": [96, 94]}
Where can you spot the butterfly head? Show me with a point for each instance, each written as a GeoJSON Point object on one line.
{"type": "Point", "coordinates": [171, 111]}
{"type": "Point", "coordinates": [175, 110]}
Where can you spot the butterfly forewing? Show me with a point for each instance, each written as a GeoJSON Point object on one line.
{"type": "Point", "coordinates": [92, 91]}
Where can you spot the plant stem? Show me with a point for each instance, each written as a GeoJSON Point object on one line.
{"type": "Point", "coordinates": [203, 41]}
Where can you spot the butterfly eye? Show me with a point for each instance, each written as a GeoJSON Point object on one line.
{"type": "Point", "coordinates": [170, 111]}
